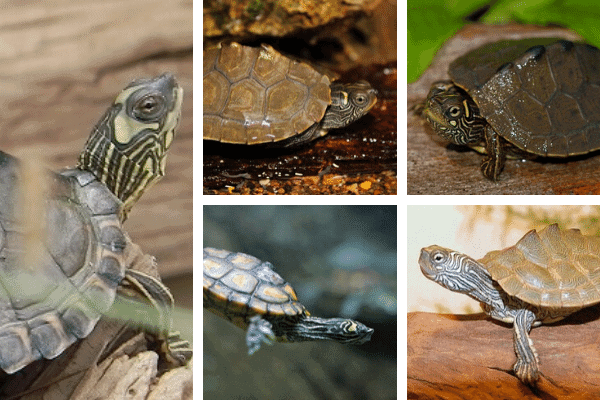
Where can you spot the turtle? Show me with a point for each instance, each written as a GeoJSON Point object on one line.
{"type": "Point", "coordinates": [56, 283]}
{"type": "Point", "coordinates": [248, 292]}
{"type": "Point", "coordinates": [543, 278]}
{"type": "Point", "coordinates": [522, 99]}
{"type": "Point", "coordinates": [258, 96]}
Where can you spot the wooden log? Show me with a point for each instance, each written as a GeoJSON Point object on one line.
{"type": "Point", "coordinates": [463, 357]}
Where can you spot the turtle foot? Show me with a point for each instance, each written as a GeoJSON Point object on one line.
{"type": "Point", "coordinates": [489, 169]}
{"type": "Point", "coordinates": [259, 331]}
{"type": "Point", "coordinates": [528, 373]}
{"type": "Point", "coordinates": [178, 351]}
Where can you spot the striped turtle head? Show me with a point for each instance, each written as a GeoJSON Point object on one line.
{"type": "Point", "coordinates": [453, 114]}
{"type": "Point", "coordinates": [349, 102]}
{"type": "Point", "coordinates": [453, 270]}
{"type": "Point", "coordinates": [127, 148]}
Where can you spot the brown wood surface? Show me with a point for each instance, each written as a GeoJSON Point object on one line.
{"type": "Point", "coordinates": [436, 167]}
{"type": "Point", "coordinates": [464, 357]}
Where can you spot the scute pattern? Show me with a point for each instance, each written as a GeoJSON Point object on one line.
{"type": "Point", "coordinates": [553, 268]}
{"type": "Point", "coordinates": [256, 95]}
{"type": "Point", "coordinates": [542, 95]}
{"type": "Point", "coordinates": [46, 307]}
{"type": "Point", "coordinates": [238, 286]}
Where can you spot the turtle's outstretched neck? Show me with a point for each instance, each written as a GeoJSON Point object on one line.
{"type": "Point", "coordinates": [127, 148]}
{"type": "Point", "coordinates": [460, 273]}
{"type": "Point", "coordinates": [341, 330]}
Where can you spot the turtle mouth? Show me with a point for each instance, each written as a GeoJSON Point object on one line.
{"type": "Point", "coordinates": [426, 266]}
{"type": "Point", "coordinates": [439, 124]}
{"type": "Point", "coordinates": [366, 336]}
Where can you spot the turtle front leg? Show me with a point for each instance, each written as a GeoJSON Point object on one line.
{"type": "Point", "coordinates": [493, 162]}
{"type": "Point", "coordinates": [259, 331]}
{"type": "Point", "coordinates": [527, 366]}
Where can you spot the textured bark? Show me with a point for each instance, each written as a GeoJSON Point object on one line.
{"type": "Point", "coordinates": [460, 357]}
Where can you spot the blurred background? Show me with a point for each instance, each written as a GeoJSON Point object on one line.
{"type": "Point", "coordinates": [342, 261]}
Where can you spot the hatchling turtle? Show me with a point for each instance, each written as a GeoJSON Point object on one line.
{"type": "Point", "coordinates": [541, 279]}
{"type": "Point", "coordinates": [256, 95]}
{"type": "Point", "coordinates": [84, 255]}
{"type": "Point", "coordinates": [522, 98]}
{"type": "Point", "coordinates": [246, 291]}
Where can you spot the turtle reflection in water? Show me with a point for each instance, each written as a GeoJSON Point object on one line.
{"type": "Point", "coordinates": [542, 279]}
{"type": "Point", "coordinates": [84, 255]}
{"type": "Point", "coordinates": [256, 95]}
{"type": "Point", "coordinates": [523, 98]}
{"type": "Point", "coordinates": [246, 291]}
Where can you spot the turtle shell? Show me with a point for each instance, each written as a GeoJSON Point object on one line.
{"type": "Point", "coordinates": [256, 95]}
{"type": "Point", "coordinates": [53, 293]}
{"type": "Point", "coordinates": [553, 268]}
{"type": "Point", "coordinates": [238, 286]}
{"type": "Point", "coordinates": [541, 95]}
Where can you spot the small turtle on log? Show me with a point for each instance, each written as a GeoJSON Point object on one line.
{"type": "Point", "coordinates": [543, 278]}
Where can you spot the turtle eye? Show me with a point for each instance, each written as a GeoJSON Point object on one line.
{"type": "Point", "coordinates": [454, 111]}
{"type": "Point", "coordinates": [360, 99]}
{"type": "Point", "coordinates": [438, 257]}
{"type": "Point", "coordinates": [149, 107]}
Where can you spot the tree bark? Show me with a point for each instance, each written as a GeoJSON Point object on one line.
{"type": "Point", "coordinates": [461, 357]}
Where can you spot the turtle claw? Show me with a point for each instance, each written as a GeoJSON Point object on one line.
{"type": "Point", "coordinates": [259, 331]}
{"type": "Point", "coordinates": [178, 350]}
{"type": "Point", "coordinates": [528, 373]}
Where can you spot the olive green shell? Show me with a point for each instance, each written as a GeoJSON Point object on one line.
{"type": "Point", "coordinates": [256, 95]}
{"type": "Point", "coordinates": [553, 268]}
{"type": "Point", "coordinates": [542, 95]}
{"type": "Point", "coordinates": [238, 286]}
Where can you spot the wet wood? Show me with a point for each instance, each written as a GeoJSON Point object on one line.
{"type": "Point", "coordinates": [436, 167]}
{"type": "Point", "coordinates": [458, 357]}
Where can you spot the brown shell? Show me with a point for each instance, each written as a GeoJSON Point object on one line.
{"type": "Point", "coordinates": [238, 286]}
{"type": "Point", "coordinates": [542, 95]}
{"type": "Point", "coordinates": [256, 95]}
{"type": "Point", "coordinates": [555, 268]}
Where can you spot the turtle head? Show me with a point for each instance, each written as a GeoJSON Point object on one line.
{"type": "Point", "coordinates": [349, 102]}
{"type": "Point", "coordinates": [453, 270]}
{"type": "Point", "coordinates": [453, 114]}
{"type": "Point", "coordinates": [341, 330]}
{"type": "Point", "coordinates": [127, 148]}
